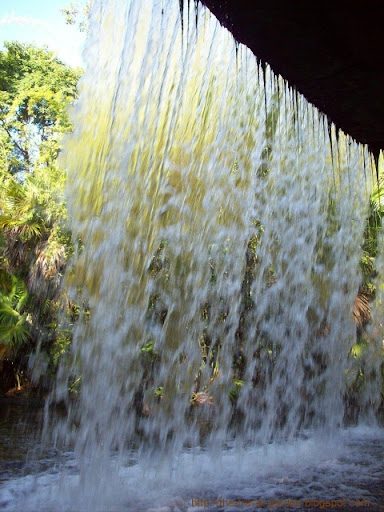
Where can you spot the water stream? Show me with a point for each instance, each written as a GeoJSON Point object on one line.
{"type": "Point", "coordinates": [218, 221]}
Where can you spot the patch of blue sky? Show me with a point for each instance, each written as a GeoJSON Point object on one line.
{"type": "Point", "coordinates": [41, 22]}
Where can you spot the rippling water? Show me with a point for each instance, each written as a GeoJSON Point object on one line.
{"type": "Point", "coordinates": [342, 473]}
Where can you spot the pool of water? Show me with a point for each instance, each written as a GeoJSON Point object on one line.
{"type": "Point", "coordinates": [20, 429]}
{"type": "Point", "coordinates": [345, 472]}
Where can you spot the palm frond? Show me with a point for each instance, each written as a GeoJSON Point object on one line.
{"type": "Point", "coordinates": [5, 281]}
{"type": "Point", "coordinates": [361, 309]}
{"type": "Point", "coordinates": [47, 269]}
{"type": "Point", "coordinates": [14, 326]}
{"type": "Point", "coordinates": [19, 216]}
{"type": "Point", "coordinates": [16, 333]}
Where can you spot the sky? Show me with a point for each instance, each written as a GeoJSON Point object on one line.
{"type": "Point", "coordinates": [41, 22]}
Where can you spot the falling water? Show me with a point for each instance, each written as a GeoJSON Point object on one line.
{"type": "Point", "coordinates": [218, 221]}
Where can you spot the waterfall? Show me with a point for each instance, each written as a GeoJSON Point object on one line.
{"type": "Point", "coordinates": [218, 220]}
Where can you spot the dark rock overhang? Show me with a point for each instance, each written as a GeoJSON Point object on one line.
{"type": "Point", "coordinates": [331, 52]}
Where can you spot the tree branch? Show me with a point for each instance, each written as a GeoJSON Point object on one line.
{"type": "Point", "coordinates": [24, 152]}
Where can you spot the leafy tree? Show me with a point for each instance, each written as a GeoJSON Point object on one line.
{"type": "Point", "coordinates": [35, 92]}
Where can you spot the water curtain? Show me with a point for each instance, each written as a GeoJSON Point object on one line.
{"type": "Point", "coordinates": [218, 220]}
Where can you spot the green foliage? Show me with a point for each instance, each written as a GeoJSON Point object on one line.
{"type": "Point", "coordinates": [60, 346]}
{"type": "Point", "coordinates": [235, 390]}
{"type": "Point", "coordinates": [148, 348]}
{"type": "Point", "coordinates": [14, 325]}
{"type": "Point", "coordinates": [18, 215]}
{"type": "Point", "coordinates": [363, 350]}
{"type": "Point", "coordinates": [76, 13]}
{"type": "Point", "coordinates": [36, 90]}
{"type": "Point", "coordinates": [370, 245]}
{"type": "Point", "coordinates": [358, 349]}
{"type": "Point", "coordinates": [159, 392]}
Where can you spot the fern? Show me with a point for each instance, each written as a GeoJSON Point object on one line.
{"type": "Point", "coordinates": [14, 325]}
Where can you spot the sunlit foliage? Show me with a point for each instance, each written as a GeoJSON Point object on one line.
{"type": "Point", "coordinates": [36, 90]}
